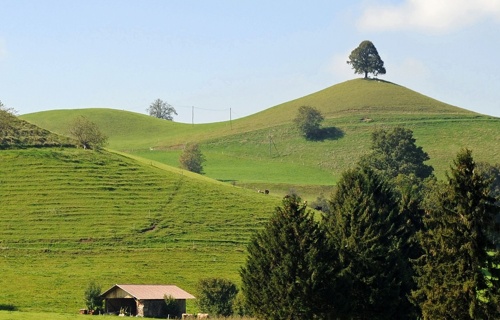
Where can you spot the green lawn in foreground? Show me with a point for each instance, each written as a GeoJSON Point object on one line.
{"type": "Point", "coordinates": [70, 216]}
{"type": "Point", "coordinates": [16, 315]}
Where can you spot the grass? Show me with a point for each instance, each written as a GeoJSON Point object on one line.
{"type": "Point", "coordinates": [9, 315]}
{"type": "Point", "coordinates": [264, 150]}
{"type": "Point", "coordinates": [71, 216]}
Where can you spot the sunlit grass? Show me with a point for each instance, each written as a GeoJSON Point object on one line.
{"type": "Point", "coordinates": [71, 216]}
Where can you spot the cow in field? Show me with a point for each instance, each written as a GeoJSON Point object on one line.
{"type": "Point", "coordinates": [202, 316]}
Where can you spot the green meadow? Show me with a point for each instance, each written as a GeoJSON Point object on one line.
{"type": "Point", "coordinates": [70, 216]}
{"type": "Point", "coordinates": [265, 150]}
{"type": "Point", "coordinates": [130, 215]}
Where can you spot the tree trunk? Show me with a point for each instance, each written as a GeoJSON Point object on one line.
{"type": "Point", "coordinates": [366, 74]}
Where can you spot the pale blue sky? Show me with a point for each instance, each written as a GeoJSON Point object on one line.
{"type": "Point", "coordinates": [244, 55]}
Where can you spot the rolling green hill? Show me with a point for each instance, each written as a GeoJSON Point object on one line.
{"type": "Point", "coordinates": [265, 150]}
{"type": "Point", "coordinates": [69, 216]}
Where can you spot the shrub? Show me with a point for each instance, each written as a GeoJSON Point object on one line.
{"type": "Point", "coordinates": [216, 296]}
{"type": "Point", "coordinates": [93, 299]}
{"type": "Point", "coordinates": [308, 121]}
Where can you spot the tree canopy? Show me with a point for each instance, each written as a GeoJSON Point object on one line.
{"type": "Point", "coordinates": [192, 159]}
{"type": "Point", "coordinates": [365, 59]}
{"type": "Point", "coordinates": [363, 225]}
{"type": "Point", "coordinates": [458, 275]}
{"type": "Point", "coordinates": [92, 296]}
{"type": "Point", "coordinates": [216, 296]}
{"type": "Point", "coordinates": [162, 110]}
{"type": "Point", "coordinates": [394, 152]}
{"type": "Point", "coordinates": [308, 121]}
{"type": "Point", "coordinates": [87, 133]}
{"type": "Point", "coordinates": [288, 272]}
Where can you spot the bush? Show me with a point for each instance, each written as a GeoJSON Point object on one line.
{"type": "Point", "coordinates": [192, 159]}
{"type": "Point", "coordinates": [172, 306]}
{"type": "Point", "coordinates": [308, 121]}
{"type": "Point", "coordinates": [216, 296]}
{"type": "Point", "coordinates": [87, 133]}
{"type": "Point", "coordinates": [93, 300]}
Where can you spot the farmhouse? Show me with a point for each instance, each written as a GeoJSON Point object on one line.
{"type": "Point", "coordinates": [144, 300]}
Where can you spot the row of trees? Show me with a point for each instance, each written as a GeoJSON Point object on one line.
{"type": "Point", "coordinates": [394, 244]}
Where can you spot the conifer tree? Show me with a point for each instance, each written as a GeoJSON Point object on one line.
{"type": "Point", "coordinates": [397, 158]}
{"type": "Point", "coordinates": [288, 269]}
{"type": "Point", "coordinates": [363, 225]}
{"type": "Point", "coordinates": [458, 275]}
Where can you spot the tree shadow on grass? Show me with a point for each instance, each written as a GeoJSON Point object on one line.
{"type": "Point", "coordinates": [327, 133]}
{"type": "Point", "coordinates": [7, 307]}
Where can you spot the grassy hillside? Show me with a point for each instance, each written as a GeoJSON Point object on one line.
{"type": "Point", "coordinates": [266, 151]}
{"type": "Point", "coordinates": [69, 216]}
{"type": "Point", "coordinates": [16, 133]}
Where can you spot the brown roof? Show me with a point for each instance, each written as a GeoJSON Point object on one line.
{"type": "Point", "coordinates": [151, 292]}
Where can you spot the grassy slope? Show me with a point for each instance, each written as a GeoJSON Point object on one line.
{"type": "Point", "coordinates": [16, 133]}
{"type": "Point", "coordinates": [243, 153]}
{"type": "Point", "coordinates": [69, 216]}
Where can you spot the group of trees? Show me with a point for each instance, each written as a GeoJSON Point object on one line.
{"type": "Point", "coordinates": [394, 244]}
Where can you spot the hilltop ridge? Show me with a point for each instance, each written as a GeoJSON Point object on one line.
{"type": "Point", "coordinates": [265, 150]}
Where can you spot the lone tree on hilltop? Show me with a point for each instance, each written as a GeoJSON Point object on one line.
{"type": "Point", "coordinates": [308, 120]}
{"type": "Point", "coordinates": [365, 59]}
{"type": "Point", "coordinates": [162, 110]}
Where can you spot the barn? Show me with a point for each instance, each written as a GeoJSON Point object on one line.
{"type": "Point", "coordinates": [143, 300]}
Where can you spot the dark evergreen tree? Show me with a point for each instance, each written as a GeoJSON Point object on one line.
{"type": "Point", "coordinates": [363, 225]}
{"type": "Point", "coordinates": [365, 59]}
{"type": "Point", "coordinates": [397, 158]}
{"type": "Point", "coordinates": [458, 275]}
{"type": "Point", "coordinates": [289, 268]}
{"type": "Point", "coordinates": [492, 172]}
